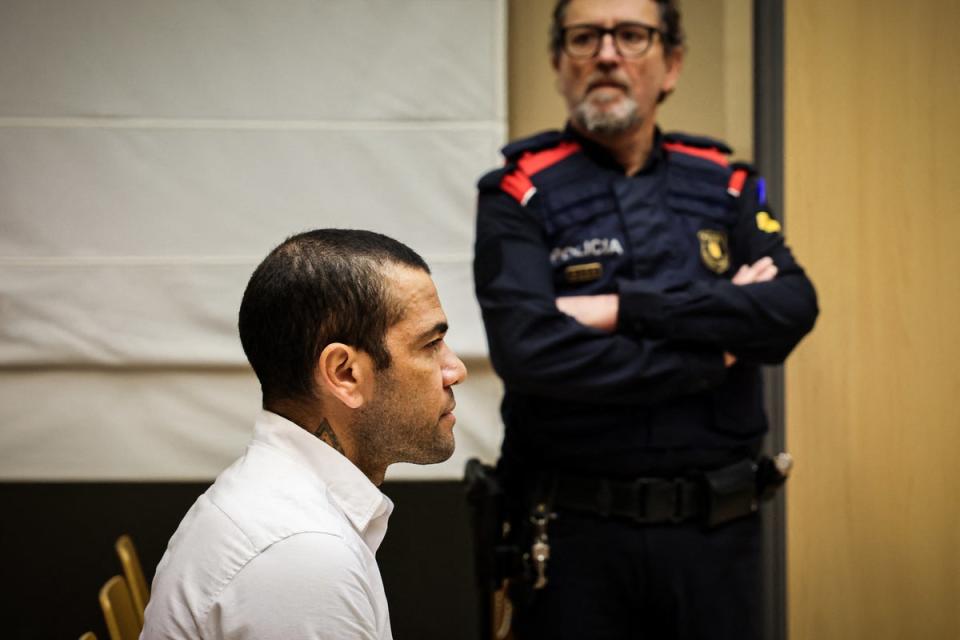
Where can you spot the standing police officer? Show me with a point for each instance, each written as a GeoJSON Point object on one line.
{"type": "Point", "coordinates": [632, 284]}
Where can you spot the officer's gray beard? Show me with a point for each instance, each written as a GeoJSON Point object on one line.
{"type": "Point", "coordinates": [606, 122]}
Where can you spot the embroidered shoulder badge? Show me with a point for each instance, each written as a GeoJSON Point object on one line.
{"type": "Point", "coordinates": [766, 222]}
{"type": "Point", "coordinates": [714, 250]}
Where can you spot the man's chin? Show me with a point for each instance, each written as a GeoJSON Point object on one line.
{"type": "Point", "coordinates": [603, 125]}
{"type": "Point", "coordinates": [606, 118]}
{"type": "Point", "coordinates": [441, 453]}
{"type": "Point", "coordinates": [446, 445]}
{"type": "Point", "coordinates": [439, 450]}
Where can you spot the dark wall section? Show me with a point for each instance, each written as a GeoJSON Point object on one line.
{"type": "Point", "coordinates": [427, 562]}
{"type": "Point", "coordinates": [57, 540]}
{"type": "Point", "coordinates": [768, 152]}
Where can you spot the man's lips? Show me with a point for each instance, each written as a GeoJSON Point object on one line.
{"type": "Point", "coordinates": [449, 410]}
{"type": "Point", "coordinates": [606, 84]}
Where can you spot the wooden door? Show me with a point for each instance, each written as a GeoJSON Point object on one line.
{"type": "Point", "coordinates": [873, 395]}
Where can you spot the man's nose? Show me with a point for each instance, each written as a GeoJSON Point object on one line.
{"type": "Point", "coordinates": [608, 49]}
{"type": "Point", "coordinates": [454, 371]}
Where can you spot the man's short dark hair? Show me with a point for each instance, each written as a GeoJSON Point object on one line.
{"type": "Point", "coordinates": [314, 289]}
{"type": "Point", "coordinates": [673, 36]}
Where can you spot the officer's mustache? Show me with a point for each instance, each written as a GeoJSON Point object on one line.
{"type": "Point", "coordinates": [606, 80]}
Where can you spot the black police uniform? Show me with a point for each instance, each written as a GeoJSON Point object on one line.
{"type": "Point", "coordinates": [652, 399]}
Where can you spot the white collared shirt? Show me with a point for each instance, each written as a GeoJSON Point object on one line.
{"type": "Point", "coordinates": [281, 546]}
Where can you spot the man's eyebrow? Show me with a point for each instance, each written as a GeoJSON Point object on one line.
{"type": "Point", "coordinates": [440, 327]}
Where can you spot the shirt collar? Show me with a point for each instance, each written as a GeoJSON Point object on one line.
{"type": "Point", "coordinates": [602, 156]}
{"type": "Point", "coordinates": [363, 504]}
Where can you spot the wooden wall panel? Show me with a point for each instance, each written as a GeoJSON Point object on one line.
{"type": "Point", "coordinates": [873, 418]}
{"type": "Point", "coordinates": [533, 103]}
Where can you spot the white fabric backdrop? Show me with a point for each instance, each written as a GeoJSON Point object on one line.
{"type": "Point", "coordinates": [152, 153]}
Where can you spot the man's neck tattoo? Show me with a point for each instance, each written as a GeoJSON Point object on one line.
{"type": "Point", "coordinates": [325, 432]}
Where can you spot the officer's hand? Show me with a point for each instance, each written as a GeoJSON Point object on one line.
{"type": "Point", "coordinates": [760, 271]}
{"type": "Point", "coordinates": [599, 311]}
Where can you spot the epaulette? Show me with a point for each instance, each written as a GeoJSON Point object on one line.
{"type": "Point", "coordinates": [713, 150]}
{"type": "Point", "coordinates": [738, 177]}
{"type": "Point", "coordinates": [741, 172]}
{"type": "Point", "coordinates": [538, 142]}
{"type": "Point", "coordinates": [527, 157]}
{"type": "Point", "coordinates": [698, 146]}
{"type": "Point", "coordinates": [701, 142]}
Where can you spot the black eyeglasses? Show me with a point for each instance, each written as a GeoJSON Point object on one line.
{"type": "Point", "coordinates": [631, 39]}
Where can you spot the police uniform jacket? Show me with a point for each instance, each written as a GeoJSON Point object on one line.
{"type": "Point", "coordinates": [654, 397]}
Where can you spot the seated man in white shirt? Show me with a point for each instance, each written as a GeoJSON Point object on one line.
{"type": "Point", "coordinates": [345, 332]}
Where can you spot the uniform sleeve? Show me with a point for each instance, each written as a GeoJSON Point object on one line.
{"type": "Point", "coordinates": [759, 323]}
{"type": "Point", "coordinates": [537, 349]}
{"type": "Point", "coordinates": [310, 585]}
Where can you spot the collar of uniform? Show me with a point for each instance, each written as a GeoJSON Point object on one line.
{"type": "Point", "coordinates": [599, 153]}
{"type": "Point", "coordinates": [364, 505]}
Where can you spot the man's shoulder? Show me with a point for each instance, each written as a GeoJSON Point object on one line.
{"type": "Point", "coordinates": [199, 596]}
{"type": "Point", "coordinates": [697, 149]}
{"type": "Point", "coordinates": [267, 496]}
{"type": "Point", "coordinates": [302, 585]}
{"type": "Point", "coordinates": [526, 157]}
{"type": "Point", "coordinates": [248, 510]}
{"type": "Point", "coordinates": [543, 141]}
{"type": "Point", "coordinates": [713, 150]}
{"type": "Point", "coordinates": [710, 158]}
{"type": "Point", "coordinates": [697, 141]}
{"type": "Point", "coordinates": [258, 500]}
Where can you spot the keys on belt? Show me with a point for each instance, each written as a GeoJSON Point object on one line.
{"type": "Point", "coordinates": [540, 549]}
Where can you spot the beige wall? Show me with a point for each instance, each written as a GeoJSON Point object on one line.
{"type": "Point", "coordinates": [714, 96]}
{"type": "Point", "coordinates": [872, 193]}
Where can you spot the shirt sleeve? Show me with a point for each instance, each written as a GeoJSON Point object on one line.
{"type": "Point", "coordinates": [759, 323]}
{"type": "Point", "coordinates": [537, 349]}
{"type": "Point", "coordinates": [310, 585]}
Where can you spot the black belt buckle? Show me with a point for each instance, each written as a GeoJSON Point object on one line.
{"type": "Point", "coordinates": [657, 501]}
{"type": "Point", "coordinates": [678, 514]}
{"type": "Point", "coordinates": [731, 492]}
{"type": "Point", "coordinates": [640, 500]}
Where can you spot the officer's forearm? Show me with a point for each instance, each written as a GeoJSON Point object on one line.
{"type": "Point", "coordinates": [552, 355]}
{"type": "Point", "coordinates": [761, 321]}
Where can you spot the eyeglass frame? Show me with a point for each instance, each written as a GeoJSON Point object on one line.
{"type": "Point", "coordinates": [612, 31]}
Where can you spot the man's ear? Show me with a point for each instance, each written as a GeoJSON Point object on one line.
{"type": "Point", "coordinates": [674, 63]}
{"type": "Point", "coordinates": [344, 373]}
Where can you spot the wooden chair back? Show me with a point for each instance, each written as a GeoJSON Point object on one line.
{"type": "Point", "coordinates": [118, 610]}
{"type": "Point", "coordinates": [133, 572]}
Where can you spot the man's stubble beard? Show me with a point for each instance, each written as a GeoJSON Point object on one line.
{"type": "Point", "coordinates": [384, 432]}
{"type": "Point", "coordinates": [589, 115]}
